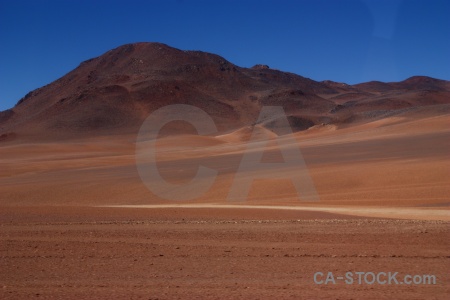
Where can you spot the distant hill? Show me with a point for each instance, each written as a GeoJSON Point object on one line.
{"type": "Point", "coordinates": [115, 92]}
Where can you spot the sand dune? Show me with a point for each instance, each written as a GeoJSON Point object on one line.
{"type": "Point", "coordinates": [393, 162]}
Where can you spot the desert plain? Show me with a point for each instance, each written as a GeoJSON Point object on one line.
{"type": "Point", "coordinates": [78, 222]}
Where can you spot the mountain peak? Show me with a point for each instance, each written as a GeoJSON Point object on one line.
{"type": "Point", "coordinates": [423, 83]}
{"type": "Point", "coordinates": [114, 92]}
{"type": "Point", "coordinates": [260, 67]}
{"type": "Point", "coordinates": [420, 78]}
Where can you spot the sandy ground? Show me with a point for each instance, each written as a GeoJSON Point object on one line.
{"type": "Point", "coordinates": [203, 253]}
{"type": "Point", "coordinates": [76, 221]}
{"type": "Point", "coordinates": [393, 162]}
{"type": "Point", "coordinates": [380, 212]}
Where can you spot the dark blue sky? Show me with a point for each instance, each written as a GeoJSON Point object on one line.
{"type": "Point", "coordinates": [347, 41]}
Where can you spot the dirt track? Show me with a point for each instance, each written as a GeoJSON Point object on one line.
{"type": "Point", "coordinates": [379, 212]}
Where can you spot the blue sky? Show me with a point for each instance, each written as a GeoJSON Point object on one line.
{"type": "Point", "coordinates": [346, 41]}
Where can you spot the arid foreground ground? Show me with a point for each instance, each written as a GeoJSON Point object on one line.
{"type": "Point", "coordinates": [121, 253]}
{"type": "Point", "coordinates": [76, 222]}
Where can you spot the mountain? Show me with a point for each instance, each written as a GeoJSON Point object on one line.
{"type": "Point", "coordinates": [115, 92]}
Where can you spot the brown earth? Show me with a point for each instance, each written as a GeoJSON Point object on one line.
{"type": "Point", "coordinates": [105, 253]}
{"type": "Point", "coordinates": [57, 243]}
{"type": "Point", "coordinates": [398, 161]}
{"type": "Point", "coordinates": [76, 220]}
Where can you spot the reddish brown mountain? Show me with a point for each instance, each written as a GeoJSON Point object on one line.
{"type": "Point", "coordinates": [115, 92]}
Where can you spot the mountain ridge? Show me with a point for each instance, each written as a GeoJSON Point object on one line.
{"type": "Point", "coordinates": [114, 92]}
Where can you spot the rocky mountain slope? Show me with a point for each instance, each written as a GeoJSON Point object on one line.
{"type": "Point", "coordinates": [115, 92]}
